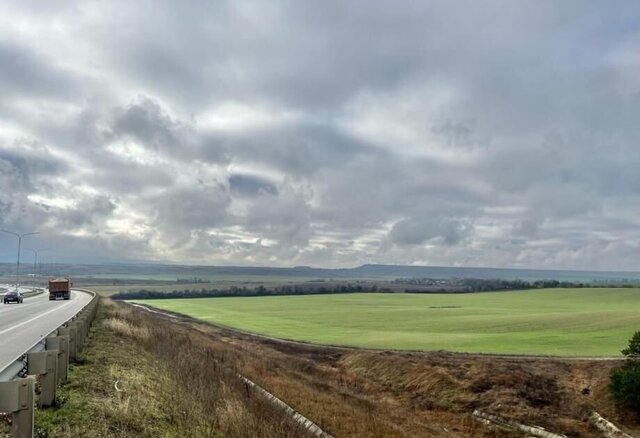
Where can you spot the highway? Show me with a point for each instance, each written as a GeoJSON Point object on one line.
{"type": "Point", "coordinates": [24, 325]}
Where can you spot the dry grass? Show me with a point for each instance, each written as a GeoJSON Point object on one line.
{"type": "Point", "coordinates": [205, 397]}
{"type": "Point", "coordinates": [375, 394]}
{"type": "Point", "coordinates": [313, 381]}
{"type": "Point", "coordinates": [90, 404]}
{"type": "Point", "coordinates": [123, 328]}
{"type": "Point", "coordinates": [546, 392]}
{"type": "Point", "coordinates": [143, 379]}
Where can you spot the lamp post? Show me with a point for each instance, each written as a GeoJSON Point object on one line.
{"type": "Point", "coordinates": [35, 262]}
{"type": "Point", "coordinates": [19, 236]}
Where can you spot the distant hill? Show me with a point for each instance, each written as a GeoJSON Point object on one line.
{"type": "Point", "coordinates": [369, 271]}
{"type": "Point", "coordinates": [444, 272]}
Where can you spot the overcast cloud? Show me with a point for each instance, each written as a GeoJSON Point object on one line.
{"type": "Point", "coordinates": [329, 133]}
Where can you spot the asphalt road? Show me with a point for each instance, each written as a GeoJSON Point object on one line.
{"type": "Point", "coordinates": [24, 325]}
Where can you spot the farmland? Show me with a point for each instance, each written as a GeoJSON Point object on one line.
{"type": "Point", "coordinates": [564, 322]}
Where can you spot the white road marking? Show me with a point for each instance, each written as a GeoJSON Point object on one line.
{"type": "Point", "coordinates": [55, 309]}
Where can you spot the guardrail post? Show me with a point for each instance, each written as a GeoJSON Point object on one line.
{"type": "Point", "coordinates": [85, 328]}
{"type": "Point", "coordinates": [71, 333]}
{"type": "Point", "coordinates": [82, 321]}
{"type": "Point", "coordinates": [77, 325]}
{"type": "Point", "coordinates": [17, 396]}
{"type": "Point", "coordinates": [60, 343]}
{"type": "Point", "coordinates": [87, 323]}
{"type": "Point", "coordinates": [45, 364]}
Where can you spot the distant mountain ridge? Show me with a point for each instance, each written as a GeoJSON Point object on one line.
{"type": "Point", "coordinates": [367, 271]}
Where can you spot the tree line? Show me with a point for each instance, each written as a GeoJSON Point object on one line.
{"type": "Point", "coordinates": [298, 289]}
{"type": "Point", "coordinates": [413, 285]}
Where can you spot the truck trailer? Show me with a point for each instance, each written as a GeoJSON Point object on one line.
{"type": "Point", "coordinates": [59, 288]}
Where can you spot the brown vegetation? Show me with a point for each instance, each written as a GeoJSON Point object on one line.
{"type": "Point", "coordinates": [370, 393]}
{"type": "Point", "coordinates": [206, 397]}
{"type": "Point", "coordinates": [138, 378]}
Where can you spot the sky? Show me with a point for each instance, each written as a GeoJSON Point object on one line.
{"type": "Point", "coordinates": [330, 133]}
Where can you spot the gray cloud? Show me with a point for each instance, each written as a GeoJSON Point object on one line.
{"type": "Point", "coordinates": [250, 185]}
{"type": "Point", "coordinates": [418, 231]}
{"type": "Point", "coordinates": [145, 122]}
{"type": "Point", "coordinates": [186, 208]}
{"type": "Point", "coordinates": [24, 73]}
{"type": "Point", "coordinates": [324, 134]}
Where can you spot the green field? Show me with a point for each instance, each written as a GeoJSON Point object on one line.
{"type": "Point", "coordinates": [564, 322]}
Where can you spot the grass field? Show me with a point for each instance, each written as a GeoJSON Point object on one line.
{"type": "Point", "coordinates": [565, 322]}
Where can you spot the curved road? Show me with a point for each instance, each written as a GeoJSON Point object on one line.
{"type": "Point", "coordinates": [24, 325]}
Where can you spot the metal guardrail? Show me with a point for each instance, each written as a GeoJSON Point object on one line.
{"type": "Point", "coordinates": [48, 361]}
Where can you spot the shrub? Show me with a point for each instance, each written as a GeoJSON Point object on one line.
{"type": "Point", "coordinates": [625, 380]}
{"type": "Point", "coordinates": [633, 351]}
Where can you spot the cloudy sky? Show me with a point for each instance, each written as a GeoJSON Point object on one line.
{"type": "Point", "coordinates": [328, 133]}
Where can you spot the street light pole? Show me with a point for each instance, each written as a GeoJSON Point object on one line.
{"type": "Point", "coordinates": [35, 262]}
{"type": "Point", "coordinates": [19, 236]}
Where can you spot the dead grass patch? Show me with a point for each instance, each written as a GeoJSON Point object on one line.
{"type": "Point", "coordinates": [143, 379]}
{"type": "Point", "coordinates": [123, 328]}
{"type": "Point", "coordinates": [369, 393]}
{"type": "Point", "coordinates": [351, 392]}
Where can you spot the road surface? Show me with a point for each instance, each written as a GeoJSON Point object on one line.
{"type": "Point", "coordinates": [24, 325]}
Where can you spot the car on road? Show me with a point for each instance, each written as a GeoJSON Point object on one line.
{"type": "Point", "coordinates": [13, 296]}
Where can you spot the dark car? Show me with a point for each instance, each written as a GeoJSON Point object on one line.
{"type": "Point", "coordinates": [13, 296]}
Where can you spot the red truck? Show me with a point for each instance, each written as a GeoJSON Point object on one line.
{"type": "Point", "coordinates": [59, 288]}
